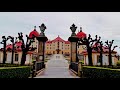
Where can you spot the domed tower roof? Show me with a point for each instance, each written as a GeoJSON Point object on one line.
{"type": "Point", "coordinates": [81, 34]}
{"type": "Point", "coordinates": [34, 33]}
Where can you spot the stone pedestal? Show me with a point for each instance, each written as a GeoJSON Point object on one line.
{"type": "Point", "coordinates": [41, 48]}
{"type": "Point", "coordinates": [73, 41]}
{"type": "Point", "coordinates": [80, 69]}
{"type": "Point", "coordinates": [73, 55]}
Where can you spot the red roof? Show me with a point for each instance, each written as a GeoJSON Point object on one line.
{"type": "Point", "coordinates": [105, 50]}
{"type": "Point", "coordinates": [34, 32]}
{"type": "Point", "coordinates": [58, 39]}
{"type": "Point", "coordinates": [67, 42]}
{"type": "Point", "coordinates": [9, 46]}
{"type": "Point", "coordinates": [17, 44]}
{"type": "Point", "coordinates": [49, 42]}
{"type": "Point", "coordinates": [81, 34]}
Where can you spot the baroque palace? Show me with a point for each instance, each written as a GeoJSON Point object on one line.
{"type": "Point", "coordinates": [56, 46]}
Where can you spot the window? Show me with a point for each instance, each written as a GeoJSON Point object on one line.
{"type": "Point", "coordinates": [16, 57]}
{"type": "Point", "coordinates": [98, 59]}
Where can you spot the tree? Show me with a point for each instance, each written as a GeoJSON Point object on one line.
{"type": "Point", "coordinates": [89, 45]}
{"type": "Point", "coordinates": [99, 48]}
{"type": "Point", "coordinates": [25, 47]}
{"type": "Point", "coordinates": [4, 48]}
{"type": "Point", "coordinates": [109, 45]}
{"type": "Point", "coordinates": [13, 46]}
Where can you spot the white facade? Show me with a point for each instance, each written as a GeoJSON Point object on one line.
{"type": "Point", "coordinates": [1, 57]}
{"type": "Point", "coordinates": [15, 59]}
{"type": "Point", "coordinates": [8, 58]}
{"type": "Point", "coordinates": [87, 60]}
{"type": "Point", "coordinates": [105, 59]}
{"type": "Point", "coordinates": [95, 61]}
{"type": "Point", "coordinates": [28, 59]}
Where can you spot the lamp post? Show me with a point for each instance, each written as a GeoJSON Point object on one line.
{"type": "Point", "coordinates": [13, 46]}
{"type": "Point", "coordinates": [41, 46]}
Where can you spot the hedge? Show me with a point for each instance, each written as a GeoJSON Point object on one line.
{"type": "Point", "coordinates": [100, 72]}
{"type": "Point", "coordinates": [9, 65]}
{"type": "Point", "coordinates": [15, 72]}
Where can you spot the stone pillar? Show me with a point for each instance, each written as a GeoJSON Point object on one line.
{"type": "Point", "coordinates": [73, 55]}
{"type": "Point", "coordinates": [41, 44]}
{"type": "Point", "coordinates": [80, 69]}
{"type": "Point", "coordinates": [74, 40]}
{"type": "Point", "coordinates": [41, 48]}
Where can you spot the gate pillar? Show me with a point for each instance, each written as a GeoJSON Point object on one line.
{"type": "Point", "coordinates": [41, 45]}
{"type": "Point", "coordinates": [73, 39]}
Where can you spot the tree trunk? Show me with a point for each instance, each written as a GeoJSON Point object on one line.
{"type": "Point", "coordinates": [4, 53]}
{"type": "Point", "coordinates": [12, 55]}
{"type": "Point", "coordinates": [101, 59]}
{"type": "Point", "coordinates": [110, 59]}
{"type": "Point", "coordinates": [89, 50]}
{"type": "Point", "coordinates": [23, 59]}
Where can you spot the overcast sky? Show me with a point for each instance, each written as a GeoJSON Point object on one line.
{"type": "Point", "coordinates": [104, 24]}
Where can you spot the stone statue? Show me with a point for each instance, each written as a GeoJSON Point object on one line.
{"type": "Point", "coordinates": [73, 29]}
{"type": "Point", "coordinates": [42, 29]}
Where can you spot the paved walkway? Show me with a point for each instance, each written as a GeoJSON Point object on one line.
{"type": "Point", "coordinates": [57, 67]}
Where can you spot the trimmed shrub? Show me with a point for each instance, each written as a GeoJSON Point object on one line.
{"type": "Point", "coordinates": [82, 61]}
{"type": "Point", "coordinates": [118, 63]}
{"type": "Point", "coordinates": [15, 72]}
{"type": "Point", "coordinates": [9, 65]}
{"type": "Point", "coordinates": [100, 72]}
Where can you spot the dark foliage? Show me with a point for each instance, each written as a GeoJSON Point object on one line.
{"type": "Point", "coordinates": [15, 72]}
{"type": "Point", "coordinates": [99, 72]}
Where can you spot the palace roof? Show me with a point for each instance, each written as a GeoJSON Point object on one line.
{"type": "Point", "coordinates": [58, 39]}
{"type": "Point", "coordinates": [105, 49]}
